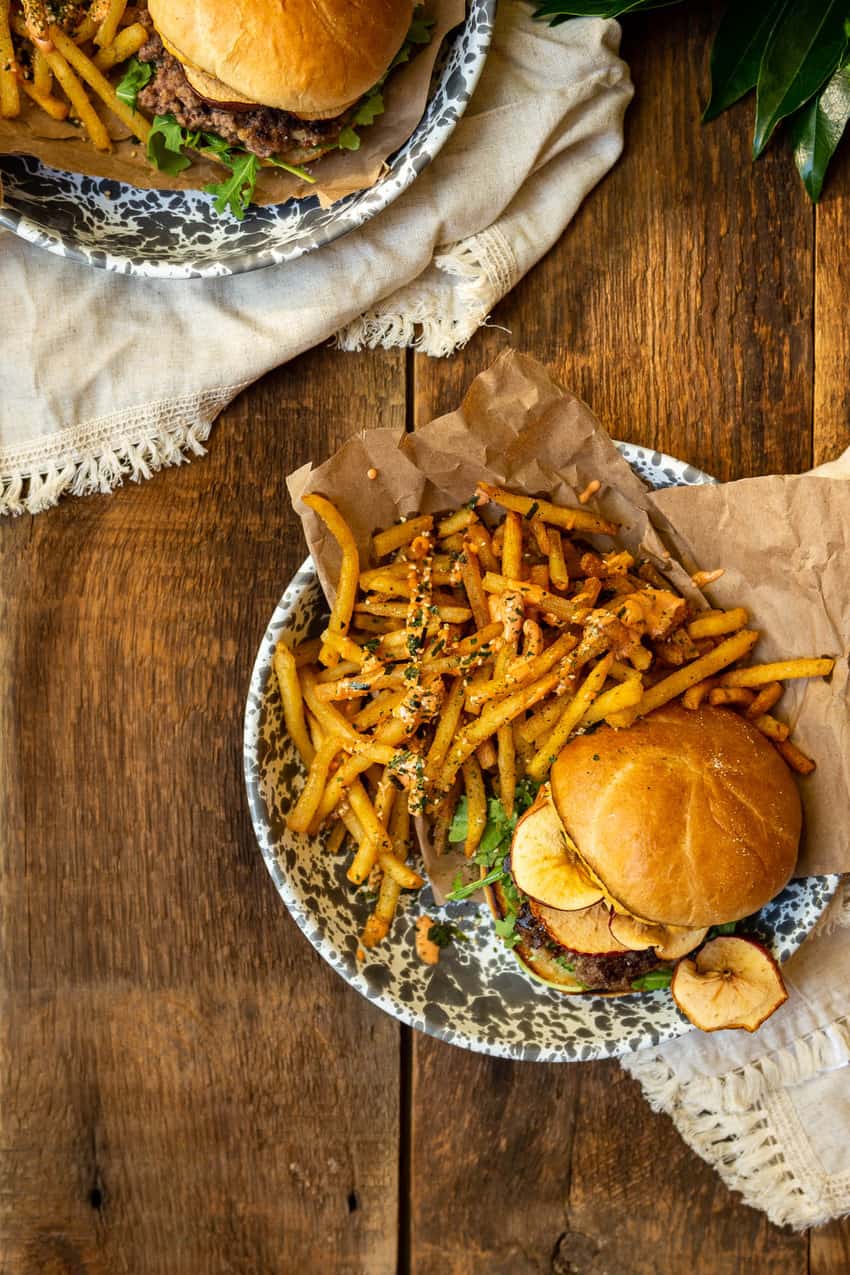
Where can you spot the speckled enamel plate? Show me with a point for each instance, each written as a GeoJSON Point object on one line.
{"type": "Point", "coordinates": [176, 234]}
{"type": "Point", "coordinates": [476, 996]}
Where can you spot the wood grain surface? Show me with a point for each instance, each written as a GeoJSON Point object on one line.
{"type": "Point", "coordinates": [186, 1088]}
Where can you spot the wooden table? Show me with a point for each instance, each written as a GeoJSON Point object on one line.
{"type": "Point", "coordinates": [187, 1088]}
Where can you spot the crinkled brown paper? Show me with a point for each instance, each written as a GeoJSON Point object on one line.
{"type": "Point", "coordinates": [60, 144]}
{"type": "Point", "coordinates": [784, 542]}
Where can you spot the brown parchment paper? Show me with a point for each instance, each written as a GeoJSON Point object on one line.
{"type": "Point", "coordinates": [61, 145]}
{"type": "Point", "coordinates": [783, 541]}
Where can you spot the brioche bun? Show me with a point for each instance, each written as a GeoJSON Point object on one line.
{"type": "Point", "coordinates": [313, 58]}
{"type": "Point", "coordinates": [686, 818]}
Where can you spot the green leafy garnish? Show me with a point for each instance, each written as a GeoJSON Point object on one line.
{"type": "Point", "coordinates": [728, 927]}
{"type": "Point", "coordinates": [136, 75]}
{"type": "Point", "coordinates": [165, 145]}
{"type": "Point", "coordinates": [442, 933]}
{"type": "Point", "coordinates": [505, 927]}
{"type": "Point", "coordinates": [372, 105]}
{"type": "Point", "coordinates": [461, 892]}
{"type": "Point", "coordinates": [793, 55]}
{"type": "Point", "coordinates": [652, 981]}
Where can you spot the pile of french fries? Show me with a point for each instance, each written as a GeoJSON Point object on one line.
{"type": "Point", "coordinates": [58, 55]}
{"type": "Point", "coordinates": [471, 651]}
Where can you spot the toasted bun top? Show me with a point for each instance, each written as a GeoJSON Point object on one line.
{"type": "Point", "coordinates": [687, 818]}
{"type": "Point", "coordinates": [311, 57]}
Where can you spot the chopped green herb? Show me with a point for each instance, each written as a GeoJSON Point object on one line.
{"type": "Point", "coordinates": [442, 933]}
{"type": "Point", "coordinates": [728, 927]}
{"type": "Point", "coordinates": [505, 927]}
{"type": "Point", "coordinates": [372, 645]}
{"type": "Point", "coordinates": [136, 75]}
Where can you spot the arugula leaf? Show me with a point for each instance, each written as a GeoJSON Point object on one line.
{"type": "Point", "coordinates": [136, 75]}
{"type": "Point", "coordinates": [165, 145]}
{"type": "Point", "coordinates": [348, 139]}
{"type": "Point", "coordinates": [728, 927]}
{"type": "Point", "coordinates": [505, 927]}
{"type": "Point", "coordinates": [804, 49]}
{"type": "Point", "coordinates": [652, 981]}
{"type": "Point", "coordinates": [370, 108]}
{"type": "Point", "coordinates": [234, 193]}
{"type": "Point", "coordinates": [560, 10]}
{"type": "Point", "coordinates": [737, 52]}
{"type": "Point", "coordinates": [818, 128]}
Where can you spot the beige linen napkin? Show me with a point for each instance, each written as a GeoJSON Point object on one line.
{"type": "Point", "coordinates": [771, 1111]}
{"type": "Point", "coordinates": [104, 377]}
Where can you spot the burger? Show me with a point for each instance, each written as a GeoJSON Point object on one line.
{"type": "Point", "coordinates": [277, 78]}
{"type": "Point", "coordinates": [643, 840]}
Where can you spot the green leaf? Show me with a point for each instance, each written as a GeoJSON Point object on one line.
{"type": "Point", "coordinates": [165, 145]}
{"type": "Point", "coordinates": [136, 75]}
{"type": "Point", "coordinates": [728, 927]}
{"type": "Point", "coordinates": [559, 10]}
{"type": "Point", "coordinates": [505, 927]}
{"type": "Point", "coordinates": [234, 193]}
{"type": "Point", "coordinates": [369, 109]}
{"type": "Point", "coordinates": [442, 933]}
{"type": "Point", "coordinates": [737, 52]}
{"type": "Point", "coordinates": [461, 892]}
{"type": "Point", "coordinates": [652, 981]}
{"type": "Point", "coordinates": [348, 139]}
{"type": "Point", "coordinates": [818, 128]}
{"type": "Point", "coordinates": [804, 49]}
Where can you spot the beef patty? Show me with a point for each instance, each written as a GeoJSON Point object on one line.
{"type": "Point", "coordinates": [263, 130]}
{"type": "Point", "coordinates": [604, 973]}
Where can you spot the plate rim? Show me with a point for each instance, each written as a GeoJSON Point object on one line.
{"type": "Point", "coordinates": [391, 1006]}
{"type": "Point", "coordinates": [63, 244]}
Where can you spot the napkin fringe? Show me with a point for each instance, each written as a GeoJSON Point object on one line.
{"type": "Point", "coordinates": [723, 1119]}
{"type": "Point", "coordinates": [486, 268]}
{"type": "Point", "coordinates": [101, 463]}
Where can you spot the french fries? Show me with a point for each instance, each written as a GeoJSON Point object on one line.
{"type": "Point", "coordinates": [10, 98]}
{"type": "Point", "coordinates": [464, 657]}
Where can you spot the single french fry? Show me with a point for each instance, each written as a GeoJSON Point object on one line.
{"type": "Point", "coordinates": [623, 695]}
{"type": "Point", "coordinates": [376, 928]}
{"type": "Point", "coordinates": [337, 835]}
{"type": "Point", "coordinates": [695, 695]}
{"type": "Point", "coordinates": [568, 519]}
{"type": "Point", "coordinates": [300, 818]}
{"type": "Point", "coordinates": [470, 574]}
{"type": "Point", "coordinates": [532, 639]}
{"type": "Point", "coordinates": [558, 573]}
{"type": "Point", "coordinates": [51, 105]}
{"type": "Point", "coordinates": [398, 611]}
{"type": "Point", "coordinates": [377, 710]}
{"type": "Point", "coordinates": [506, 761]}
{"type": "Point", "coordinates": [727, 652]}
{"type": "Point", "coordinates": [376, 624]}
{"type": "Point", "coordinates": [715, 623]}
{"type": "Point", "coordinates": [345, 648]}
{"type": "Point", "coordinates": [458, 521]}
{"type": "Point", "coordinates": [621, 672]}
{"type": "Point", "coordinates": [540, 535]}
{"type": "Point", "coordinates": [76, 94]}
{"type": "Point", "coordinates": [125, 44]}
{"type": "Point", "coordinates": [520, 672]}
{"type": "Point", "coordinates": [512, 546]}
{"type": "Point", "coordinates": [764, 701]}
{"type": "Point", "coordinates": [574, 711]}
{"type": "Point", "coordinates": [401, 534]}
{"type": "Point", "coordinates": [721, 695]}
{"type": "Point", "coordinates": [293, 703]}
{"type": "Point", "coordinates": [406, 877]}
{"type": "Point", "coordinates": [42, 76]}
{"type": "Point", "coordinates": [10, 97]}
{"type": "Point", "coordinates": [493, 716]}
{"type": "Point", "coordinates": [86, 69]}
{"type": "Point", "coordinates": [108, 28]}
{"type": "Point", "coordinates": [358, 685]}
{"type": "Point", "coordinates": [572, 611]}
{"type": "Point", "coordinates": [794, 756]}
{"type": "Point", "coordinates": [346, 589]}
{"type": "Point", "coordinates": [447, 724]}
{"type": "Point", "coordinates": [476, 805]}
{"type": "Point", "coordinates": [329, 717]}
{"type": "Point", "coordinates": [772, 727]}
{"type": "Point", "coordinates": [375, 839]}
{"type": "Point", "coordinates": [487, 756]}
{"type": "Point", "coordinates": [343, 670]}
{"type": "Point", "coordinates": [779, 671]}
{"type": "Point", "coordinates": [539, 723]}
{"type": "Point", "coordinates": [478, 535]}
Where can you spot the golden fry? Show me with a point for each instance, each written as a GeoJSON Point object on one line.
{"type": "Point", "coordinates": [336, 837]}
{"type": "Point", "coordinates": [571, 611]}
{"type": "Point", "coordinates": [772, 727]}
{"type": "Point", "coordinates": [10, 98]}
{"type": "Point", "coordinates": [108, 28]}
{"type": "Point", "coordinates": [470, 574]}
{"type": "Point", "coordinates": [765, 700]}
{"type": "Point", "coordinates": [455, 522]}
{"type": "Point", "coordinates": [575, 710]}
{"type": "Point", "coordinates": [559, 516]}
{"type": "Point", "coordinates": [779, 671]}
{"type": "Point", "coordinates": [476, 805]}
{"type": "Point", "coordinates": [301, 817]}
{"type": "Point", "coordinates": [624, 695]}
{"type": "Point", "coordinates": [695, 695]}
{"type": "Point", "coordinates": [76, 94]}
{"type": "Point", "coordinates": [512, 546]}
{"type": "Point", "coordinates": [731, 649]}
{"type": "Point", "coordinates": [346, 589]}
{"type": "Point", "coordinates": [795, 758]}
{"type": "Point", "coordinates": [558, 573]}
{"type": "Point", "coordinates": [51, 105]}
{"type": "Point", "coordinates": [715, 623]}
{"type": "Point", "coordinates": [521, 671]}
{"type": "Point", "coordinates": [447, 724]}
{"type": "Point", "coordinates": [400, 872]}
{"type": "Point", "coordinates": [398, 611]}
{"type": "Point", "coordinates": [96, 80]}
{"type": "Point", "coordinates": [401, 534]}
{"type": "Point", "coordinates": [293, 703]}
{"type": "Point", "coordinates": [479, 537]}
{"type": "Point", "coordinates": [42, 76]}
{"type": "Point", "coordinates": [721, 695]}
{"type": "Point", "coordinates": [125, 44]}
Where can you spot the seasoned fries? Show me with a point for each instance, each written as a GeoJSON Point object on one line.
{"type": "Point", "coordinates": [468, 652]}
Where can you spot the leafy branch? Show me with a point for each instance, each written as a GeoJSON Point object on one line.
{"type": "Point", "coordinates": [794, 53]}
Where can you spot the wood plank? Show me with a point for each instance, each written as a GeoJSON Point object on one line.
{"type": "Point", "coordinates": [829, 1249]}
{"type": "Point", "coordinates": [679, 303]}
{"type": "Point", "coordinates": [174, 1102]}
{"type": "Point", "coordinates": [676, 308]}
{"type": "Point", "coordinates": [832, 302]}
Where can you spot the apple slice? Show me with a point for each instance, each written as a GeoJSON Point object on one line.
{"type": "Point", "coordinates": [543, 864]}
{"type": "Point", "coordinates": [581, 931]}
{"type": "Point", "coordinates": [732, 982]}
{"type": "Point", "coordinates": [670, 941]}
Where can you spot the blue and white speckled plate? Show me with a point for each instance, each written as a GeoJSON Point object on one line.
{"type": "Point", "coordinates": [176, 235]}
{"type": "Point", "coordinates": [476, 996]}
